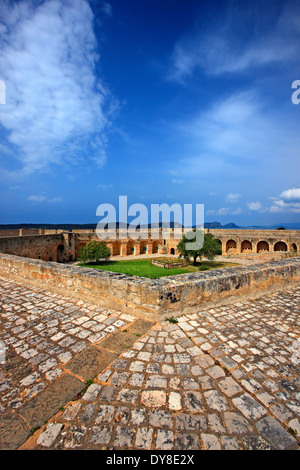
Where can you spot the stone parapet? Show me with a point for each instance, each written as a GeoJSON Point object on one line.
{"type": "Point", "coordinates": [154, 298]}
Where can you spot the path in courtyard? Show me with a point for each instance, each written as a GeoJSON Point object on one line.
{"type": "Point", "coordinates": [76, 376]}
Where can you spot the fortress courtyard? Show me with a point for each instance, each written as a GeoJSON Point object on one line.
{"type": "Point", "coordinates": [77, 375]}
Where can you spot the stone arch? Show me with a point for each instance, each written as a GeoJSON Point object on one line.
{"type": "Point", "coordinates": [246, 246]}
{"type": "Point", "coordinates": [262, 246]}
{"type": "Point", "coordinates": [231, 246]}
{"type": "Point", "coordinates": [130, 248]}
{"type": "Point", "coordinates": [172, 251]}
{"type": "Point", "coordinates": [143, 248]}
{"type": "Point", "coordinates": [280, 246]}
{"type": "Point", "coordinates": [294, 247]}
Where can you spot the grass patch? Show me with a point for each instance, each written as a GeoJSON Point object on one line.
{"type": "Point", "coordinates": [144, 267]}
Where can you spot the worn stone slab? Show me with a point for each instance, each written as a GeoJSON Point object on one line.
{"type": "Point", "coordinates": [44, 405]}
{"type": "Point", "coordinates": [275, 434]}
{"type": "Point", "coordinates": [119, 341]}
{"type": "Point", "coordinates": [90, 362]}
{"type": "Point", "coordinates": [124, 339]}
{"type": "Point", "coordinates": [13, 432]}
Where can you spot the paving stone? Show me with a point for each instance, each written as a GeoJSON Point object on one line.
{"type": "Point", "coordinates": [128, 395]}
{"type": "Point", "coordinates": [235, 423]}
{"type": "Point", "coordinates": [92, 392]}
{"type": "Point", "coordinates": [256, 443]}
{"type": "Point", "coordinates": [100, 435]}
{"type": "Point", "coordinates": [216, 401]}
{"type": "Point", "coordinates": [88, 412]}
{"type": "Point", "coordinates": [275, 434]}
{"type": "Point", "coordinates": [192, 401]}
{"type": "Point", "coordinates": [175, 401]}
{"type": "Point", "coordinates": [144, 438]}
{"type": "Point", "coordinates": [210, 442]}
{"type": "Point", "coordinates": [185, 441]}
{"type": "Point", "coordinates": [160, 418]}
{"type": "Point", "coordinates": [124, 437]}
{"type": "Point", "coordinates": [13, 432]}
{"type": "Point", "coordinates": [42, 407]}
{"type": "Point", "coordinates": [71, 411]}
{"type": "Point", "coordinates": [105, 414]}
{"type": "Point", "coordinates": [154, 398]}
{"type": "Point", "coordinates": [47, 438]}
{"type": "Point", "coordinates": [165, 440]}
{"type": "Point", "coordinates": [188, 422]}
{"type": "Point", "coordinates": [230, 387]}
{"type": "Point", "coordinates": [90, 362]}
{"type": "Point", "coordinates": [250, 408]}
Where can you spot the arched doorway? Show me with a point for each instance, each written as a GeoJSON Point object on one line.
{"type": "Point", "coordinates": [155, 246]}
{"type": "Point", "coordinates": [294, 247]}
{"type": "Point", "coordinates": [280, 246]}
{"type": "Point", "coordinates": [230, 246]}
{"type": "Point", "coordinates": [143, 248]}
{"type": "Point", "coordinates": [246, 246]}
{"type": "Point", "coordinates": [116, 249]}
{"type": "Point", "coordinates": [130, 248]}
{"type": "Point", "coordinates": [172, 251]}
{"type": "Point", "coordinates": [262, 247]}
{"type": "Point", "coordinates": [60, 253]}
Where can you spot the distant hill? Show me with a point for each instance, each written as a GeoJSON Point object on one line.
{"type": "Point", "coordinates": [212, 225]}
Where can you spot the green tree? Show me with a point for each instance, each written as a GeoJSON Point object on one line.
{"type": "Point", "coordinates": [210, 249]}
{"type": "Point", "coordinates": [94, 251]}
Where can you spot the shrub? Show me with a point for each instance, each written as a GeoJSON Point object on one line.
{"type": "Point", "coordinates": [94, 251]}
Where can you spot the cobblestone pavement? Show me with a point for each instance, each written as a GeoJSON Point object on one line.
{"type": "Point", "coordinates": [76, 376]}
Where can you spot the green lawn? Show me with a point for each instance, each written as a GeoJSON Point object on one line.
{"type": "Point", "coordinates": [144, 268]}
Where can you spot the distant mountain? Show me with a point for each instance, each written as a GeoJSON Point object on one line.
{"type": "Point", "coordinates": [211, 225]}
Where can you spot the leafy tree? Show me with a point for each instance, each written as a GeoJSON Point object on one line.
{"type": "Point", "coordinates": [94, 251]}
{"type": "Point", "coordinates": [210, 248]}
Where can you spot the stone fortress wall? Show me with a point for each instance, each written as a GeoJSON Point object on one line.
{"type": "Point", "coordinates": [62, 246]}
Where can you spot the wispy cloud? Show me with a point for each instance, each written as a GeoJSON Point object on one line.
{"type": "Point", "coordinates": [56, 111]}
{"type": "Point", "coordinates": [239, 135]}
{"type": "Point", "coordinates": [43, 198]}
{"type": "Point", "coordinates": [233, 197]}
{"type": "Point", "coordinates": [225, 48]}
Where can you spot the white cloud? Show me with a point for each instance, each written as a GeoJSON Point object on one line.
{"type": "Point", "coordinates": [177, 181]}
{"type": "Point", "coordinates": [104, 186]}
{"type": "Point", "coordinates": [37, 198]}
{"type": "Point", "coordinates": [254, 206]}
{"type": "Point", "coordinates": [292, 194]}
{"type": "Point", "coordinates": [221, 211]}
{"type": "Point", "coordinates": [56, 108]}
{"type": "Point", "coordinates": [287, 201]}
{"type": "Point", "coordinates": [233, 197]}
{"type": "Point", "coordinates": [43, 198]}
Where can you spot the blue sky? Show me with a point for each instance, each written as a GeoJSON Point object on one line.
{"type": "Point", "coordinates": [164, 101]}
